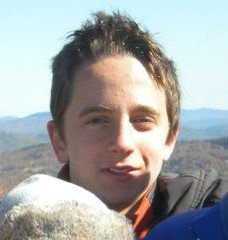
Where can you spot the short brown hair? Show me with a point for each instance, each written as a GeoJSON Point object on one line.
{"type": "Point", "coordinates": [108, 35]}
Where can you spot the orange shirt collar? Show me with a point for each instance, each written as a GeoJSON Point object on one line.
{"type": "Point", "coordinates": [142, 217]}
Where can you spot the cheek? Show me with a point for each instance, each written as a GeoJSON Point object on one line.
{"type": "Point", "coordinates": [84, 150]}
{"type": "Point", "coordinates": [152, 161]}
{"type": "Point", "coordinates": [152, 152]}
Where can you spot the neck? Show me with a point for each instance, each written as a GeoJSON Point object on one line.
{"type": "Point", "coordinates": [128, 209]}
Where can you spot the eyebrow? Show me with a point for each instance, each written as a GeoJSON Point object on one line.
{"type": "Point", "coordinates": [146, 109]}
{"type": "Point", "coordinates": [93, 109]}
{"type": "Point", "coordinates": [104, 109]}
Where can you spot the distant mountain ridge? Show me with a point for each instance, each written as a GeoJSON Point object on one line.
{"type": "Point", "coordinates": [14, 141]}
{"type": "Point", "coordinates": [200, 124]}
{"type": "Point", "coordinates": [7, 118]}
{"type": "Point", "coordinates": [34, 124]}
{"type": "Point", "coordinates": [203, 113]}
{"type": "Point", "coordinates": [204, 117]}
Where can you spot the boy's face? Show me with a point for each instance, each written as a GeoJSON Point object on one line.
{"type": "Point", "coordinates": [115, 131]}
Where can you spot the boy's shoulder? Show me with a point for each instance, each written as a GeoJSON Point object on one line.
{"type": "Point", "coordinates": [176, 193]}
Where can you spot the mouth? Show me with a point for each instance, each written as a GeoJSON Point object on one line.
{"type": "Point", "coordinates": [118, 171]}
{"type": "Point", "coordinates": [121, 173]}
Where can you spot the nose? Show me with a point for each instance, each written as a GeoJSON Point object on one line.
{"type": "Point", "coordinates": [122, 139]}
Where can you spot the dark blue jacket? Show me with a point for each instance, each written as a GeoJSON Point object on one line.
{"type": "Point", "coordinates": [209, 223]}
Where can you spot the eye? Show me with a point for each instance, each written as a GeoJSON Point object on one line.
{"type": "Point", "coordinates": [143, 120]}
{"type": "Point", "coordinates": [144, 123]}
{"type": "Point", "coordinates": [97, 121]}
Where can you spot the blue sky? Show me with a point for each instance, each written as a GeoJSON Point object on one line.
{"type": "Point", "coordinates": [193, 33]}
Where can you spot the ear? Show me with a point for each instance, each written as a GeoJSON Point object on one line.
{"type": "Point", "coordinates": [170, 144]}
{"type": "Point", "coordinates": [57, 142]}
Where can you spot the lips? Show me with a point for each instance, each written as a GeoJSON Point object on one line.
{"type": "Point", "coordinates": [118, 171]}
{"type": "Point", "coordinates": [121, 172]}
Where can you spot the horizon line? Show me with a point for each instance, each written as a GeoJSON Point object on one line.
{"type": "Point", "coordinates": [42, 112]}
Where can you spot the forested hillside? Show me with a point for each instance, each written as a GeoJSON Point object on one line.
{"type": "Point", "coordinates": [200, 154]}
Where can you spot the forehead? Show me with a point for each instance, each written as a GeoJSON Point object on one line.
{"type": "Point", "coordinates": [114, 70]}
{"type": "Point", "coordinates": [116, 78]}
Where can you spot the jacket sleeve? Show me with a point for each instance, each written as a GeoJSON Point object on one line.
{"type": "Point", "coordinates": [176, 193]}
{"type": "Point", "coordinates": [215, 189]}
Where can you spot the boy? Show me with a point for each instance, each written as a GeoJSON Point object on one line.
{"type": "Point", "coordinates": [115, 104]}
